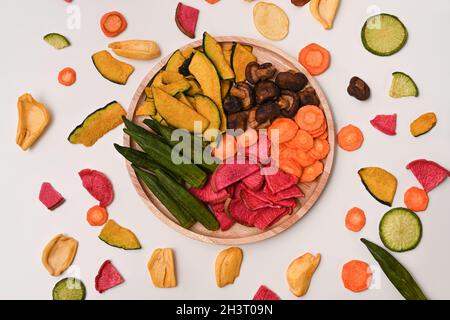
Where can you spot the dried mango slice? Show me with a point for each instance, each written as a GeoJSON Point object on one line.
{"type": "Point", "coordinates": [162, 268]}
{"type": "Point", "coordinates": [324, 11]}
{"type": "Point", "coordinates": [228, 266]}
{"type": "Point", "coordinates": [58, 254]}
{"type": "Point", "coordinates": [300, 272]}
{"type": "Point", "coordinates": [271, 21]}
{"type": "Point", "coordinates": [136, 49]}
{"type": "Point", "coordinates": [423, 124]}
{"type": "Point", "coordinates": [33, 119]}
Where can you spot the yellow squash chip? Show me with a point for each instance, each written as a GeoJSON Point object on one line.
{"type": "Point", "coordinates": [97, 124]}
{"type": "Point", "coordinates": [271, 21]}
{"type": "Point", "coordinates": [423, 124]}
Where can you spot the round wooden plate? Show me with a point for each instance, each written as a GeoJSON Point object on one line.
{"type": "Point", "coordinates": [238, 234]}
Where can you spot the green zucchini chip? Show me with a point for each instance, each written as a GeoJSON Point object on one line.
{"type": "Point", "coordinates": [97, 124]}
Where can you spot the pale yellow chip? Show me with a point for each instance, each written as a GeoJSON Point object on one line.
{"type": "Point", "coordinates": [271, 21]}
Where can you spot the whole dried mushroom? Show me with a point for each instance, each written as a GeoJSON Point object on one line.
{"type": "Point", "coordinates": [299, 3]}
{"type": "Point", "coordinates": [245, 93]}
{"type": "Point", "coordinates": [255, 72]}
{"type": "Point", "coordinates": [232, 104]}
{"type": "Point", "coordinates": [358, 88]}
{"type": "Point", "coordinates": [237, 120]}
{"type": "Point", "coordinates": [308, 96]}
{"type": "Point", "coordinates": [293, 81]}
{"type": "Point", "coordinates": [266, 90]}
{"type": "Point", "coordinates": [267, 112]}
{"type": "Point", "coordinates": [289, 103]}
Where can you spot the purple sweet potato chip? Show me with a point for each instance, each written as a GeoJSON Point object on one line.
{"type": "Point", "coordinates": [428, 173]}
{"type": "Point", "coordinates": [50, 197]}
{"type": "Point", "coordinates": [386, 123]}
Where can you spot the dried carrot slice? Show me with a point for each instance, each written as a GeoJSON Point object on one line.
{"type": "Point", "coordinates": [302, 140]}
{"type": "Point", "coordinates": [290, 166]}
{"type": "Point", "coordinates": [320, 149]}
{"type": "Point", "coordinates": [323, 136]}
{"type": "Point", "coordinates": [320, 131]}
{"type": "Point", "coordinates": [356, 275]}
{"type": "Point", "coordinates": [310, 118]}
{"type": "Point", "coordinates": [304, 158]}
{"type": "Point", "coordinates": [416, 199]}
{"type": "Point", "coordinates": [314, 58]}
{"type": "Point", "coordinates": [350, 138]}
{"type": "Point", "coordinates": [286, 128]}
{"type": "Point", "coordinates": [97, 216]}
{"type": "Point", "coordinates": [355, 219]}
{"type": "Point", "coordinates": [311, 172]}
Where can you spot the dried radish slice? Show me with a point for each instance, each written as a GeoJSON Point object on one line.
{"type": "Point", "coordinates": [271, 21]}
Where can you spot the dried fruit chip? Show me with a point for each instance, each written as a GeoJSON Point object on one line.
{"type": "Point", "coordinates": [300, 272]}
{"type": "Point", "coordinates": [428, 173]}
{"type": "Point", "coordinates": [271, 21]}
{"type": "Point", "coordinates": [162, 268]}
{"type": "Point", "coordinates": [228, 266]}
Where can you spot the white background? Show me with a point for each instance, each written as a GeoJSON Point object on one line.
{"type": "Point", "coordinates": [28, 64]}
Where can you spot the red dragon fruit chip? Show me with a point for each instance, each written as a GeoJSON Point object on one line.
{"type": "Point", "coordinates": [386, 123]}
{"type": "Point", "coordinates": [50, 197]}
{"type": "Point", "coordinates": [98, 185]}
{"type": "Point", "coordinates": [108, 277]}
{"type": "Point", "coordinates": [428, 173]}
{"type": "Point", "coordinates": [265, 293]}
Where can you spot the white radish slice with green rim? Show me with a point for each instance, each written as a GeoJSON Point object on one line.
{"type": "Point", "coordinates": [400, 229]}
{"type": "Point", "coordinates": [384, 34]}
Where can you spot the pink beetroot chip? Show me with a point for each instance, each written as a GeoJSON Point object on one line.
{"type": "Point", "coordinates": [108, 277]}
{"type": "Point", "coordinates": [265, 293]}
{"type": "Point", "coordinates": [225, 221]}
{"type": "Point", "coordinates": [280, 181]}
{"type": "Point", "coordinates": [186, 18]}
{"type": "Point", "coordinates": [50, 197]}
{"type": "Point", "coordinates": [98, 185]}
{"type": "Point", "coordinates": [386, 123]}
{"type": "Point", "coordinates": [207, 194]}
{"type": "Point", "coordinates": [428, 173]}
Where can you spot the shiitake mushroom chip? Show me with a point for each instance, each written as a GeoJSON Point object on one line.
{"type": "Point", "coordinates": [267, 112]}
{"type": "Point", "coordinates": [293, 81]}
{"type": "Point", "coordinates": [289, 103]}
{"type": "Point", "coordinates": [308, 96]}
{"type": "Point", "coordinates": [266, 90]}
{"type": "Point", "coordinates": [256, 72]}
{"type": "Point", "coordinates": [245, 93]}
{"type": "Point", "coordinates": [358, 88]}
